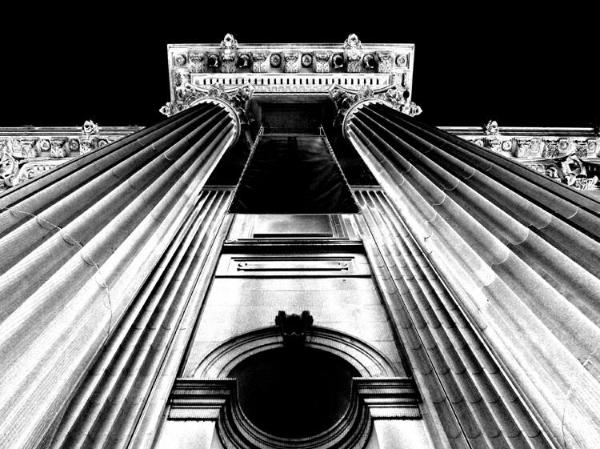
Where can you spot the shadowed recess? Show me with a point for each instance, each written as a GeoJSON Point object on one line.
{"type": "Point", "coordinates": [294, 393]}
{"type": "Point", "coordinates": [293, 174]}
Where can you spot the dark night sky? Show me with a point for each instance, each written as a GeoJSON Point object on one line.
{"type": "Point", "coordinates": [108, 62]}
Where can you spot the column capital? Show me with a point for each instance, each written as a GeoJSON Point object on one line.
{"type": "Point", "coordinates": [349, 101]}
{"type": "Point", "coordinates": [233, 100]}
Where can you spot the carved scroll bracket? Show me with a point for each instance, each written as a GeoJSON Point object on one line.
{"type": "Point", "coordinates": [293, 327]}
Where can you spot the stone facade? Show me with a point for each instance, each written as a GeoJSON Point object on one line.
{"type": "Point", "coordinates": [452, 304]}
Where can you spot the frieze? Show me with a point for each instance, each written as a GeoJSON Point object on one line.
{"type": "Point", "coordinates": [568, 155]}
{"type": "Point", "coordinates": [25, 152]}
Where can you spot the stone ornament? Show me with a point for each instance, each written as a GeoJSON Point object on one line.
{"type": "Point", "coordinates": [275, 60]}
{"type": "Point", "coordinates": [229, 47]}
{"type": "Point", "coordinates": [394, 96]}
{"type": "Point", "coordinates": [385, 62]}
{"type": "Point", "coordinates": [322, 62]}
{"type": "Point", "coordinates": [89, 128]}
{"type": "Point", "coordinates": [369, 62]}
{"type": "Point", "coordinates": [337, 61]}
{"type": "Point", "coordinates": [213, 61]}
{"type": "Point", "coordinates": [9, 168]}
{"type": "Point", "coordinates": [180, 60]}
{"type": "Point", "coordinates": [353, 53]}
{"type": "Point", "coordinates": [293, 327]}
{"type": "Point", "coordinates": [198, 62]}
{"type": "Point", "coordinates": [237, 98]}
{"type": "Point", "coordinates": [209, 64]}
{"type": "Point", "coordinates": [44, 144]}
{"type": "Point", "coordinates": [491, 128]}
{"type": "Point", "coordinates": [560, 158]}
{"type": "Point", "coordinates": [33, 152]}
{"type": "Point", "coordinates": [25, 148]}
{"type": "Point", "coordinates": [402, 61]}
{"type": "Point", "coordinates": [306, 60]}
{"type": "Point", "coordinates": [59, 148]}
{"type": "Point", "coordinates": [88, 131]}
{"type": "Point", "coordinates": [244, 62]}
{"type": "Point", "coordinates": [574, 174]}
{"type": "Point", "coordinates": [291, 62]}
{"type": "Point", "coordinates": [260, 63]}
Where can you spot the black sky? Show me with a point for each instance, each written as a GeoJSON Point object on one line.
{"type": "Point", "coordinates": [107, 61]}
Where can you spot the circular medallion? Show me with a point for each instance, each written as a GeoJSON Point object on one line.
{"type": "Point", "coordinates": [275, 60]}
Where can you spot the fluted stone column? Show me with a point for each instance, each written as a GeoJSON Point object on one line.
{"type": "Point", "coordinates": [87, 252]}
{"type": "Point", "coordinates": [518, 252]}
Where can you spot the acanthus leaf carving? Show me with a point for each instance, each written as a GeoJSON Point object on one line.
{"type": "Point", "coordinates": [394, 96]}
{"type": "Point", "coordinates": [189, 94]}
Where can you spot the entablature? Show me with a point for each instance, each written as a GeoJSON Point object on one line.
{"type": "Point", "coordinates": [570, 155]}
{"type": "Point", "coordinates": [27, 151]}
{"type": "Point", "coordinates": [289, 68]}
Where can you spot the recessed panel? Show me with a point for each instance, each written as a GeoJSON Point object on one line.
{"type": "Point", "coordinates": [248, 265]}
{"type": "Point", "coordinates": [272, 226]}
{"type": "Point", "coordinates": [293, 175]}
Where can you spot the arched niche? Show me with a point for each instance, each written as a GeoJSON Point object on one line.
{"type": "Point", "coordinates": [345, 390]}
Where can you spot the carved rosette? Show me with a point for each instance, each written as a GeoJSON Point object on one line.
{"type": "Point", "coordinates": [402, 61]}
{"type": "Point", "coordinates": [180, 59]}
{"type": "Point", "coordinates": [291, 62]}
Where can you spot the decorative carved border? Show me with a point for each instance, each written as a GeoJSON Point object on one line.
{"type": "Point", "coordinates": [567, 155]}
{"type": "Point", "coordinates": [26, 152]}
{"type": "Point", "coordinates": [290, 68]}
{"type": "Point", "coordinates": [363, 357]}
